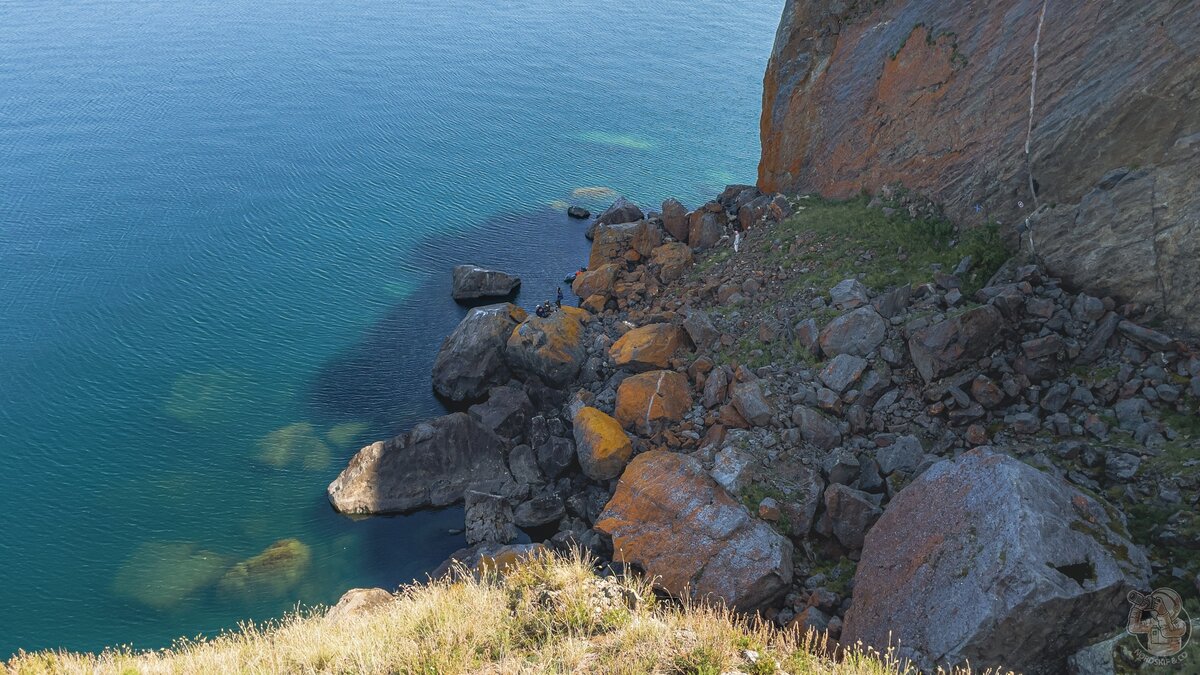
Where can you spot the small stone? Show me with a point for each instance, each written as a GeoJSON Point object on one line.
{"type": "Point", "coordinates": [768, 510]}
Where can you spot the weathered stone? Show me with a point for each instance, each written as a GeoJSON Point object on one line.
{"type": "Point", "coordinates": [1032, 568]}
{"type": "Point", "coordinates": [432, 465]}
{"type": "Point", "coordinates": [893, 302]}
{"type": "Point", "coordinates": [595, 282]}
{"type": "Point", "coordinates": [1146, 337]}
{"type": "Point", "coordinates": [647, 401]}
{"type": "Point", "coordinates": [716, 388]}
{"type": "Point", "coordinates": [506, 412]}
{"type": "Point", "coordinates": [545, 508]}
{"type": "Point", "coordinates": [733, 470]}
{"type": "Point", "coordinates": [673, 259]}
{"type": "Point", "coordinates": [903, 455]}
{"type": "Point", "coordinates": [675, 219]}
{"type": "Point", "coordinates": [705, 228]}
{"type": "Point", "coordinates": [358, 601]}
{"type": "Point", "coordinates": [523, 465]}
{"type": "Point", "coordinates": [601, 444]}
{"type": "Point", "coordinates": [471, 359]}
{"type": "Point", "coordinates": [614, 242]}
{"type": "Point", "coordinates": [816, 428]}
{"type": "Point", "coordinates": [748, 398]}
{"type": "Point", "coordinates": [556, 456]}
{"type": "Point", "coordinates": [987, 392]}
{"type": "Point", "coordinates": [848, 294]}
{"type": "Point", "coordinates": [470, 283]}
{"type": "Point", "coordinates": [953, 344]}
{"type": "Point", "coordinates": [549, 348]}
{"type": "Point", "coordinates": [692, 537]}
{"type": "Point", "coordinates": [648, 347]}
{"type": "Point", "coordinates": [856, 333]}
{"type": "Point", "coordinates": [488, 517]}
{"type": "Point", "coordinates": [851, 513]}
{"type": "Point", "coordinates": [842, 372]}
{"type": "Point", "coordinates": [486, 559]}
{"type": "Point", "coordinates": [700, 328]}
{"type": "Point", "coordinates": [621, 211]}
{"type": "Point", "coordinates": [578, 212]}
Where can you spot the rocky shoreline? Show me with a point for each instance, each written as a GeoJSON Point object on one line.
{"type": "Point", "coordinates": [858, 460]}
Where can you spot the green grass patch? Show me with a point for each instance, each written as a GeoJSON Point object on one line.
{"type": "Point", "coordinates": [899, 249]}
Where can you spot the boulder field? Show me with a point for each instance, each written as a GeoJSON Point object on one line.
{"type": "Point", "coordinates": [981, 466]}
{"type": "Point", "coordinates": [1077, 121]}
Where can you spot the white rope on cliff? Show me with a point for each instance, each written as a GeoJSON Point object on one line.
{"type": "Point", "coordinates": [1037, 42]}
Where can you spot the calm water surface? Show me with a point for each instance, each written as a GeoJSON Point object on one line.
{"type": "Point", "coordinates": [225, 234]}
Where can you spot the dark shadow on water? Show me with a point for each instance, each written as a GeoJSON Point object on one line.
{"type": "Point", "coordinates": [385, 377]}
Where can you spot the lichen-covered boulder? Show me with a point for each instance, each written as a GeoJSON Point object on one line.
{"type": "Point", "coordinates": [358, 601]}
{"type": "Point", "coordinates": [614, 243]}
{"type": "Point", "coordinates": [650, 400]}
{"type": "Point", "coordinates": [601, 443]}
{"type": "Point", "coordinates": [648, 347]}
{"type": "Point", "coordinates": [595, 282]}
{"type": "Point", "coordinates": [672, 260]}
{"type": "Point", "coordinates": [471, 359]}
{"type": "Point", "coordinates": [987, 559]}
{"type": "Point", "coordinates": [549, 348]}
{"type": "Point", "coordinates": [670, 518]}
{"type": "Point", "coordinates": [432, 465]}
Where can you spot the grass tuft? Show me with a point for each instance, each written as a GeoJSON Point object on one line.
{"type": "Point", "coordinates": [548, 614]}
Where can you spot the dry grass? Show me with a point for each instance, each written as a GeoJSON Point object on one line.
{"type": "Point", "coordinates": [546, 615]}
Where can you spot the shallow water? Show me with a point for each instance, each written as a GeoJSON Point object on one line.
{"type": "Point", "coordinates": [226, 228]}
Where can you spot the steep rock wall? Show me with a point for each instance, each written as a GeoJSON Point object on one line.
{"type": "Point", "coordinates": [935, 95]}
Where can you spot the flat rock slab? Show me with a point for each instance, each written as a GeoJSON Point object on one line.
{"type": "Point", "coordinates": [471, 283]}
{"type": "Point", "coordinates": [432, 465]}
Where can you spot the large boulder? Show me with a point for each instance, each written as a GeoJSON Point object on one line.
{"type": "Point", "coordinates": [471, 359]}
{"type": "Point", "coordinates": [621, 211]}
{"type": "Point", "coordinates": [601, 443]}
{"type": "Point", "coordinates": [648, 347]}
{"type": "Point", "coordinates": [692, 537]}
{"type": "Point", "coordinates": [705, 228]}
{"type": "Point", "coordinates": [615, 243]}
{"type": "Point", "coordinates": [937, 96]}
{"type": "Point", "coordinates": [550, 348]}
{"type": "Point", "coordinates": [987, 559]}
{"type": "Point", "coordinates": [471, 283]}
{"type": "Point", "coordinates": [595, 282]}
{"type": "Point", "coordinates": [675, 219]}
{"type": "Point", "coordinates": [672, 260]}
{"type": "Point", "coordinates": [506, 412]}
{"type": "Point", "coordinates": [432, 465]}
{"type": "Point", "coordinates": [953, 344]}
{"type": "Point", "coordinates": [856, 333]}
{"type": "Point", "coordinates": [650, 400]}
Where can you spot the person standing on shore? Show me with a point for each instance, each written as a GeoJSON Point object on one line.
{"type": "Point", "coordinates": [559, 298]}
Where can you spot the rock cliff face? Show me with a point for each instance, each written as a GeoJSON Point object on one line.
{"type": "Point", "coordinates": [860, 94]}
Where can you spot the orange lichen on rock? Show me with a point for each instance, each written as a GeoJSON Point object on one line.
{"type": "Point", "coordinates": [602, 445]}
{"type": "Point", "coordinates": [648, 347]}
{"type": "Point", "coordinates": [647, 401]}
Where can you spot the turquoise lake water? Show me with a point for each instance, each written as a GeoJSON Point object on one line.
{"type": "Point", "coordinates": [226, 228]}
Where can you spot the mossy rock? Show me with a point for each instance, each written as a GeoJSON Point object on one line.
{"type": "Point", "coordinates": [162, 575]}
{"type": "Point", "coordinates": [274, 572]}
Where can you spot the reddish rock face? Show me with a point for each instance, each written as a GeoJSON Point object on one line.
{"type": "Point", "coordinates": [648, 347]}
{"type": "Point", "coordinates": [936, 96]}
{"type": "Point", "coordinates": [672, 520]}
